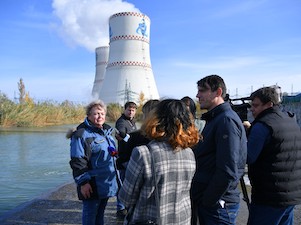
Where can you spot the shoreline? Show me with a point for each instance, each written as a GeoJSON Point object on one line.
{"type": "Point", "coordinates": [27, 204]}
{"type": "Point", "coordinates": [61, 207]}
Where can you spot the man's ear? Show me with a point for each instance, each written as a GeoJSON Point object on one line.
{"type": "Point", "coordinates": [270, 104]}
{"type": "Point", "coordinates": [219, 92]}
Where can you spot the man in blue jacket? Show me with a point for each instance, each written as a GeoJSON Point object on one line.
{"type": "Point", "coordinates": [220, 156]}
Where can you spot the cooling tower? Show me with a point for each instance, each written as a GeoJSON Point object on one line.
{"type": "Point", "coordinates": [129, 72]}
{"type": "Point", "coordinates": [102, 56]}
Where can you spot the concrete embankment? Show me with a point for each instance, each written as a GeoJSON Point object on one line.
{"type": "Point", "coordinates": [61, 207]}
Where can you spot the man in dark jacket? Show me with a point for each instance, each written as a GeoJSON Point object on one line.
{"type": "Point", "coordinates": [220, 156]}
{"type": "Point", "coordinates": [136, 138]}
{"type": "Point", "coordinates": [274, 160]}
{"type": "Point", "coordinates": [124, 125]}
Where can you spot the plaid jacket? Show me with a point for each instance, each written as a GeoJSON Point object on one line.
{"type": "Point", "coordinates": [174, 172]}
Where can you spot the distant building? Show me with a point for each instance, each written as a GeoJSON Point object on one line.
{"type": "Point", "coordinates": [101, 58]}
{"type": "Point", "coordinates": [291, 98]}
{"type": "Point", "coordinates": [292, 103]}
{"type": "Point", "coordinates": [128, 72]}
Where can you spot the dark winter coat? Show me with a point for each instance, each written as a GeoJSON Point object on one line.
{"type": "Point", "coordinates": [221, 158]}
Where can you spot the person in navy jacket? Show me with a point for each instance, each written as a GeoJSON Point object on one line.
{"type": "Point", "coordinates": [220, 156]}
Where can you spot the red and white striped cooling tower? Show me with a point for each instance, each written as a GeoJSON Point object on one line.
{"type": "Point", "coordinates": [102, 56]}
{"type": "Point", "coordinates": [129, 72]}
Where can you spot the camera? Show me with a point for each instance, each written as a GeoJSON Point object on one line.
{"type": "Point", "coordinates": [240, 109]}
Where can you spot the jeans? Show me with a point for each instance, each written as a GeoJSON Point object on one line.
{"type": "Point", "coordinates": [93, 211]}
{"type": "Point", "coordinates": [263, 214]}
{"type": "Point", "coordinates": [119, 205]}
{"type": "Point", "coordinates": [217, 215]}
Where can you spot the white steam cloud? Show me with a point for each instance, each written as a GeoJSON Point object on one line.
{"type": "Point", "coordinates": [86, 22]}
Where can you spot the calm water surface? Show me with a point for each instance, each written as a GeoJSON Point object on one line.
{"type": "Point", "coordinates": [33, 161]}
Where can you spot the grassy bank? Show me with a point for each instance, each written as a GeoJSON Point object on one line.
{"type": "Point", "coordinates": [46, 113]}
{"type": "Point", "coordinates": [31, 114]}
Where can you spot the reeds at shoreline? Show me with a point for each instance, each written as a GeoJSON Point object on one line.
{"type": "Point", "coordinates": [30, 114]}
{"type": "Point", "coordinates": [46, 113]}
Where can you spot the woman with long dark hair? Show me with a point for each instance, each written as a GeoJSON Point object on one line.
{"type": "Point", "coordinates": [172, 132]}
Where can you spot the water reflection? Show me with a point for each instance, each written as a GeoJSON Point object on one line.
{"type": "Point", "coordinates": [33, 161]}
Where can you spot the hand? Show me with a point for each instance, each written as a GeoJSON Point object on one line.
{"type": "Point", "coordinates": [86, 190]}
{"type": "Point", "coordinates": [118, 137]}
{"type": "Point", "coordinates": [246, 124]}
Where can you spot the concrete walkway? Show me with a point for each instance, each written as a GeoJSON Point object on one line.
{"type": "Point", "coordinates": [61, 207]}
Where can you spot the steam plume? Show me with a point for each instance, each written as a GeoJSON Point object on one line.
{"type": "Point", "coordinates": [85, 22]}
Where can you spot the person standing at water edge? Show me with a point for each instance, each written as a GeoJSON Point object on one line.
{"type": "Point", "coordinates": [92, 163]}
{"type": "Point", "coordinates": [274, 161]}
{"type": "Point", "coordinates": [172, 132]}
{"type": "Point", "coordinates": [220, 156]}
{"type": "Point", "coordinates": [137, 137]}
{"type": "Point", "coordinates": [124, 125]}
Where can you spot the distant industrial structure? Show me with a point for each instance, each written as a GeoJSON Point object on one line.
{"type": "Point", "coordinates": [292, 103]}
{"type": "Point", "coordinates": [127, 72]}
{"type": "Point", "coordinates": [101, 58]}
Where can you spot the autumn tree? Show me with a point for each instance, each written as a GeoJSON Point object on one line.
{"type": "Point", "coordinates": [141, 101]}
{"type": "Point", "coordinates": [21, 88]}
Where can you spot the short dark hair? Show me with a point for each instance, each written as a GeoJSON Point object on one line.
{"type": "Point", "coordinates": [130, 105]}
{"type": "Point", "coordinates": [265, 95]}
{"type": "Point", "coordinates": [191, 105]}
{"type": "Point", "coordinates": [149, 105]}
{"type": "Point", "coordinates": [214, 82]}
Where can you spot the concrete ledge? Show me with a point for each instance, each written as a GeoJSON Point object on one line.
{"type": "Point", "coordinates": [61, 207]}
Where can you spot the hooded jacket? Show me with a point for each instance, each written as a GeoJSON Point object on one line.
{"type": "Point", "coordinates": [91, 160]}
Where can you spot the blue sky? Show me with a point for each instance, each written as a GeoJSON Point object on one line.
{"type": "Point", "coordinates": [250, 43]}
